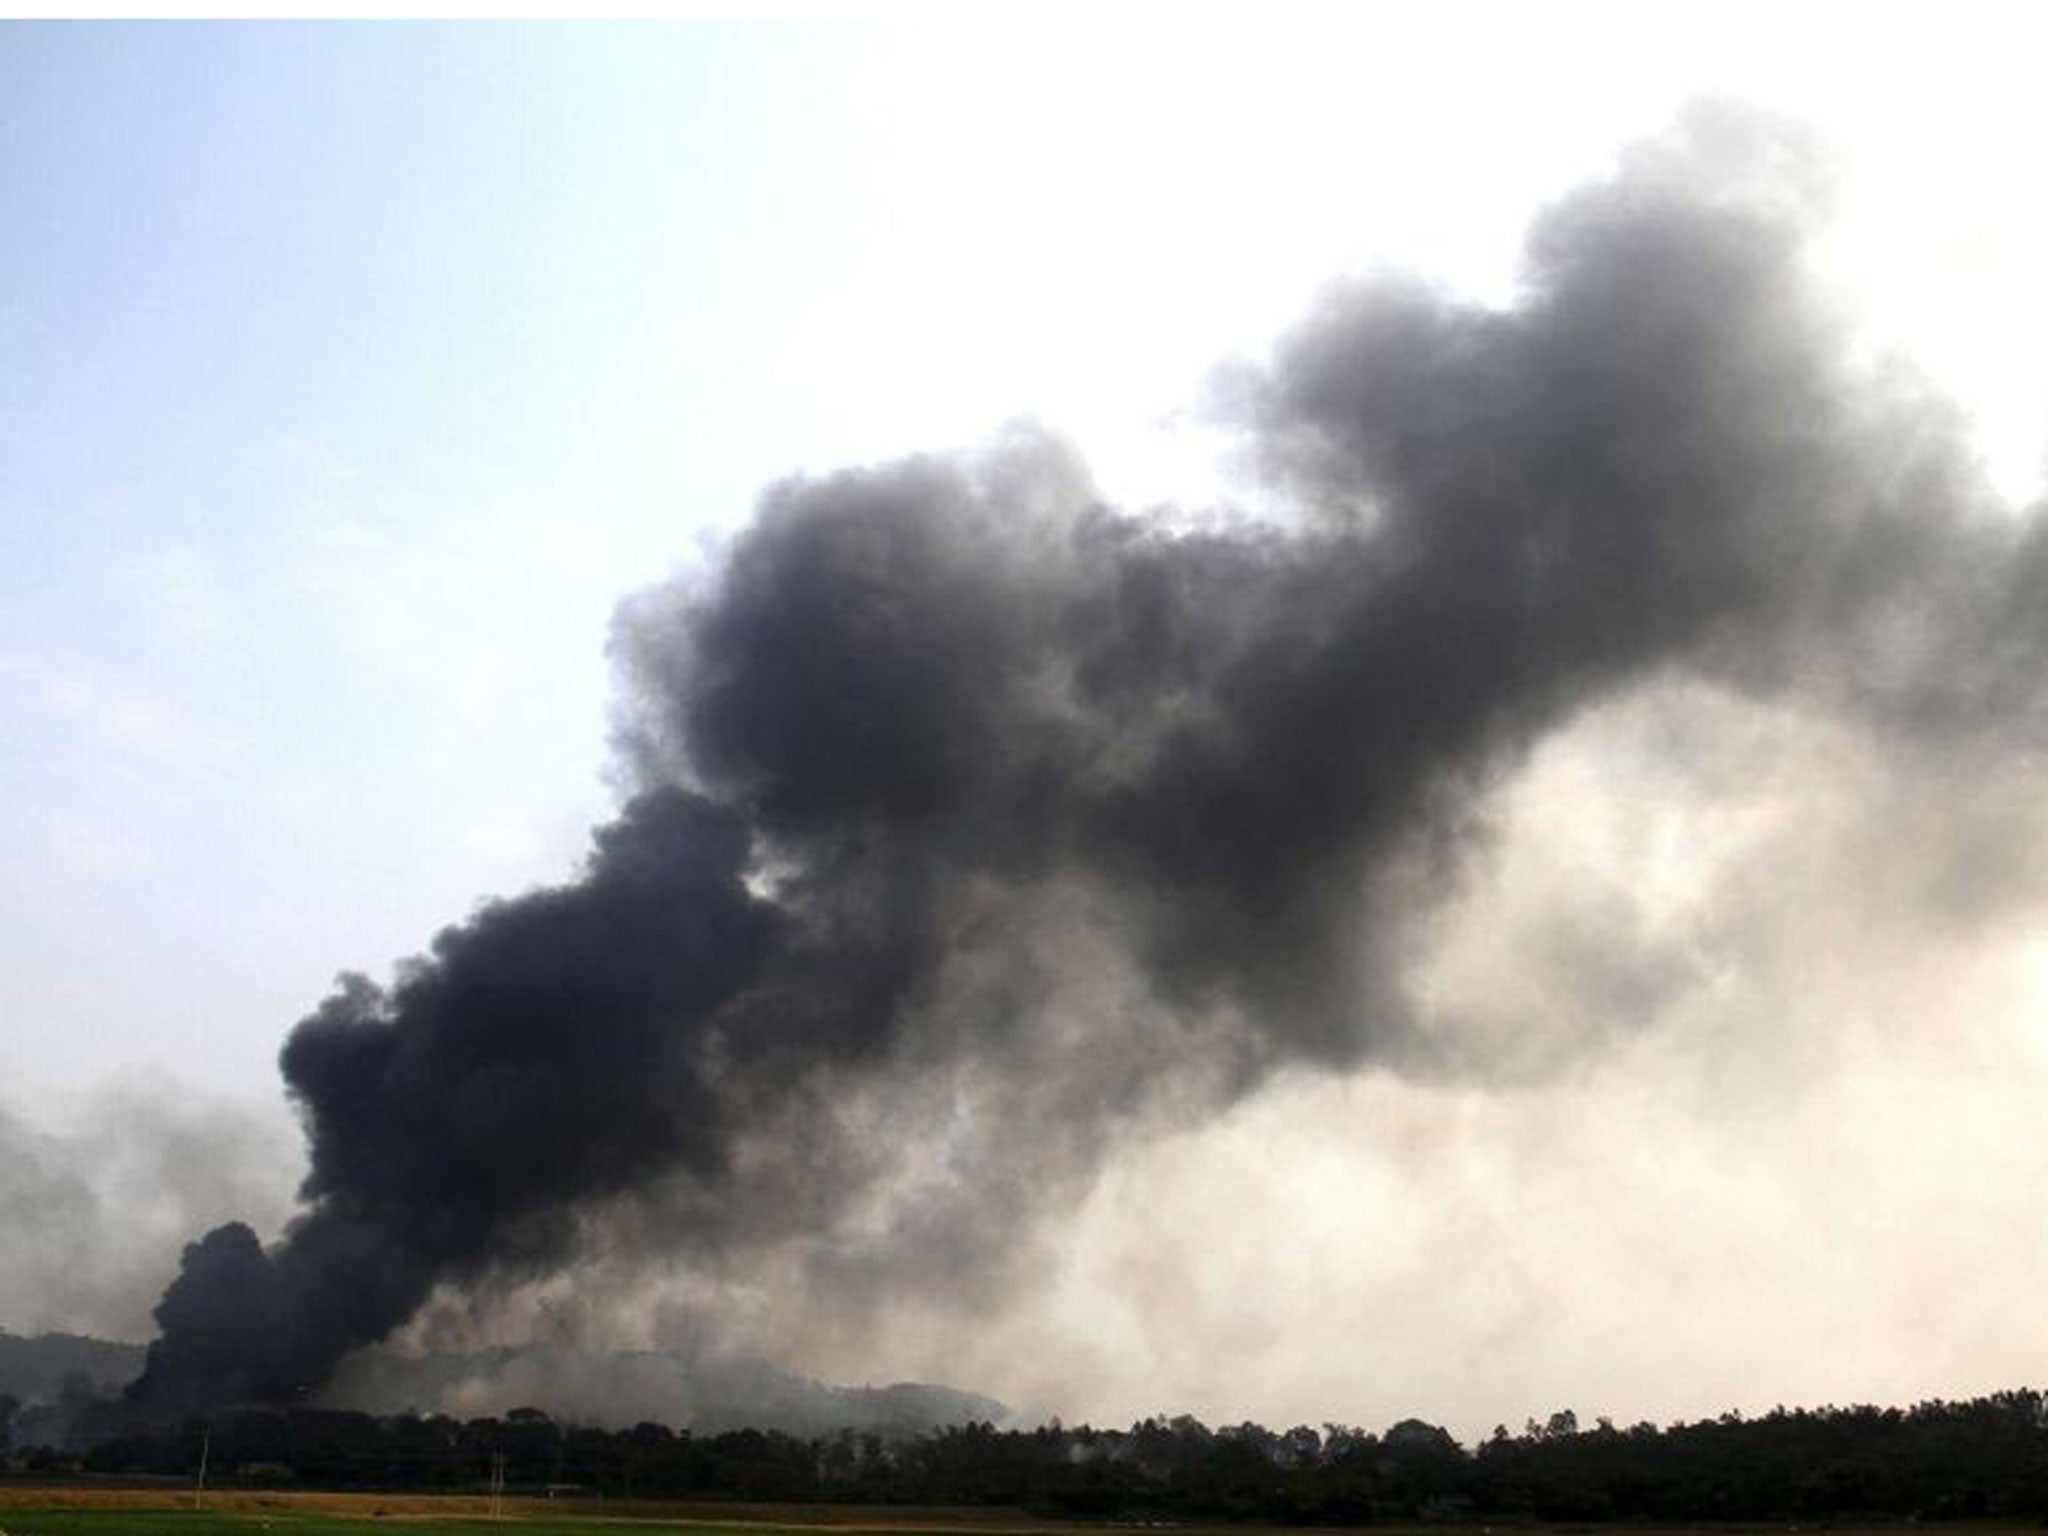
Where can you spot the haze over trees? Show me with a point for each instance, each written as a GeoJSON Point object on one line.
{"type": "Point", "coordinates": [1937, 1460]}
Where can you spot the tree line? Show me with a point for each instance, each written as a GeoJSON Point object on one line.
{"type": "Point", "coordinates": [1982, 1458]}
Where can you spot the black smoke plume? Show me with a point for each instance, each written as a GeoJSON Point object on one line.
{"type": "Point", "coordinates": [943, 735]}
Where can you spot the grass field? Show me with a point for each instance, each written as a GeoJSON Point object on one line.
{"type": "Point", "coordinates": [173, 1498]}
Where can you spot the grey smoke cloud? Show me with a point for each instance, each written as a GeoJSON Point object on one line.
{"type": "Point", "coordinates": [979, 827]}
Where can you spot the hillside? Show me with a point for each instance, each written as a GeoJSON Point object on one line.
{"type": "Point", "coordinates": [607, 1389]}
{"type": "Point", "coordinates": [33, 1370]}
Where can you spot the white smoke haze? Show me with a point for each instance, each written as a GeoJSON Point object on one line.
{"type": "Point", "coordinates": [97, 1196]}
{"type": "Point", "coordinates": [1773, 1138]}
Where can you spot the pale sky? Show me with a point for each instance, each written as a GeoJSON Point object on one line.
{"type": "Point", "coordinates": [350, 375]}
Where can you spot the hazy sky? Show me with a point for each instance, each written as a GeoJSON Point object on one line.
{"type": "Point", "coordinates": [350, 376]}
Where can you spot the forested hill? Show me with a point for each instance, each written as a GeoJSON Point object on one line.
{"type": "Point", "coordinates": [34, 1370]}
{"type": "Point", "coordinates": [1938, 1460]}
{"type": "Point", "coordinates": [610, 1389]}
{"type": "Point", "coordinates": [615, 1389]}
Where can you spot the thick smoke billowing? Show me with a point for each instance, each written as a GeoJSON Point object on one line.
{"type": "Point", "coordinates": [963, 795]}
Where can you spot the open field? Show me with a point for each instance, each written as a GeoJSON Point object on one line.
{"type": "Point", "coordinates": [175, 1498]}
